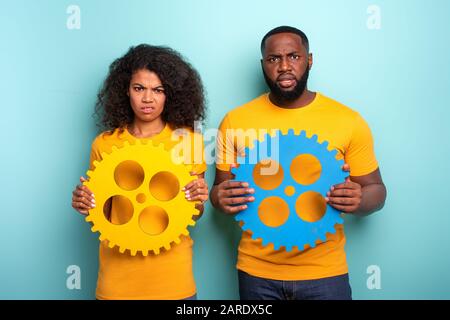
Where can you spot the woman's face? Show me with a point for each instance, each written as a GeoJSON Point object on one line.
{"type": "Point", "coordinates": [147, 96]}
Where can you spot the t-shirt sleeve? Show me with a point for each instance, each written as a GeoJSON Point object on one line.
{"type": "Point", "coordinates": [197, 154]}
{"type": "Point", "coordinates": [225, 149]}
{"type": "Point", "coordinates": [360, 154]}
{"type": "Point", "coordinates": [95, 153]}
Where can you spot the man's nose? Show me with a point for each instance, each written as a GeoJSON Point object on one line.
{"type": "Point", "coordinates": [284, 64]}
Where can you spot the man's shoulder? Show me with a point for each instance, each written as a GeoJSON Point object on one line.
{"type": "Point", "coordinates": [248, 107]}
{"type": "Point", "coordinates": [335, 105]}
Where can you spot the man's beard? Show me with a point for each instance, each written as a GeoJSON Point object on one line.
{"type": "Point", "coordinates": [288, 95]}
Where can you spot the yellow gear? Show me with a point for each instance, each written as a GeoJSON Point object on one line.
{"type": "Point", "coordinates": [154, 160]}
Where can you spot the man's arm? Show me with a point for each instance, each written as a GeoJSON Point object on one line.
{"type": "Point", "coordinates": [360, 196]}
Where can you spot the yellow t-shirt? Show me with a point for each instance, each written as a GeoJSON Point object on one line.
{"type": "Point", "coordinates": [165, 276]}
{"type": "Point", "coordinates": [345, 130]}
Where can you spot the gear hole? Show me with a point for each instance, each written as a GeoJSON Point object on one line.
{"type": "Point", "coordinates": [118, 209]}
{"type": "Point", "coordinates": [273, 212]}
{"type": "Point", "coordinates": [153, 220]}
{"type": "Point", "coordinates": [311, 206]}
{"type": "Point", "coordinates": [129, 175]}
{"type": "Point", "coordinates": [305, 169]}
{"type": "Point", "coordinates": [164, 186]}
{"type": "Point", "coordinates": [268, 174]}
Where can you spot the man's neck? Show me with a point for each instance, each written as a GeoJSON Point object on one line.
{"type": "Point", "coordinates": [306, 98]}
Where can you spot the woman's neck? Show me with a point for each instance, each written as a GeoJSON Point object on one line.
{"type": "Point", "coordinates": [141, 129]}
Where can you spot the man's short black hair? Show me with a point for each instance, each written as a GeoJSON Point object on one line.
{"type": "Point", "coordinates": [285, 29]}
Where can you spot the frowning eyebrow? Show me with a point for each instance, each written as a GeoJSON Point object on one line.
{"type": "Point", "coordinates": [277, 55]}
{"type": "Point", "coordinates": [160, 86]}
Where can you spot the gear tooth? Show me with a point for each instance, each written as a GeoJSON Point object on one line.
{"type": "Point", "coordinates": [89, 174]}
{"type": "Point", "coordinates": [291, 132]}
{"type": "Point", "coordinates": [185, 232]}
{"type": "Point", "coordinates": [314, 137]}
{"type": "Point", "coordinates": [88, 218]}
{"type": "Point", "coordinates": [167, 246]}
{"type": "Point", "coordinates": [303, 134]}
{"type": "Point", "coordinates": [312, 244]}
{"type": "Point", "coordinates": [177, 240]}
{"type": "Point", "coordinates": [156, 250]}
{"type": "Point", "coordinates": [333, 153]}
{"type": "Point", "coordinates": [133, 252]}
{"type": "Point", "coordinates": [144, 253]}
{"type": "Point", "coordinates": [325, 144]}
{"type": "Point", "coordinates": [126, 144]}
{"type": "Point", "coordinates": [96, 163]}
{"type": "Point", "coordinates": [114, 148]}
{"type": "Point", "coordinates": [191, 223]}
{"type": "Point", "coordinates": [102, 237]}
{"type": "Point", "coordinates": [94, 228]}
{"type": "Point", "coordinates": [245, 227]}
{"type": "Point", "coordinates": [112, 245]}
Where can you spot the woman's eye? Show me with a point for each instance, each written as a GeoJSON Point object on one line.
{"type": "Point", "coordinates": [159, 90]}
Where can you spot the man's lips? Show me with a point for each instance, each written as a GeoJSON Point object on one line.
{"type": "Point", "coordinates": [286, 81]}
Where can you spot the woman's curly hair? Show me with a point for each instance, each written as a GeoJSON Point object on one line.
{"type": "Point", "coordinates": [185, 101]}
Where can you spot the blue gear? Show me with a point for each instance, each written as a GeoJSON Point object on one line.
{"type": "Point", "coordinates": [294, 232]}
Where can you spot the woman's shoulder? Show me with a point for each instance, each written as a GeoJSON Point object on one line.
{"type": "Point", "coordinates": [185, 132]}
{"type": "Point", "coordinates": [109, 137]}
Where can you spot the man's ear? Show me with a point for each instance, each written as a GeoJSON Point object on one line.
{"type": "Point", "coordinates": [310, 60]}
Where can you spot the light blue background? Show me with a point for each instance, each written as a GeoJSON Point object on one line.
{"type": "Point", "coordinates": [396, 77]}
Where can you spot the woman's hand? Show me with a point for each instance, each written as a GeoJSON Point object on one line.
{"type": "Point", "coordinates": [197, 190]}
{"type": "Point", "coordinates": [82, 198]}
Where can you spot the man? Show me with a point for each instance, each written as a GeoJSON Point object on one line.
{"type": "Point", "coordinates": [312, 273]}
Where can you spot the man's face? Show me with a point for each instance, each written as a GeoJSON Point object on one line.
{"type": "Point", "coordinates": [286, 66]}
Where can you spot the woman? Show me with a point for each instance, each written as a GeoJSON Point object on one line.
{"type": "Point", "coordinates": [149, 93]}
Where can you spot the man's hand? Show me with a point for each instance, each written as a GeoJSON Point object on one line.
{"type": "Point", "coordinates": [233, 196]}
{"type": "Point", "coordinates": [358, 195]}
{"type": "Point", "coordinates": [345, 197]}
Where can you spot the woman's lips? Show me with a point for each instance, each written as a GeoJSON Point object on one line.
{"type": "Point", "coordinates": [147, 110]}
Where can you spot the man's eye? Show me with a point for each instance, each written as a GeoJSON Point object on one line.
{"type": "Point", "coordinates": [273, 59]}
{"type": "Point", "coordinates": [295, 57]}
{"type": "Point", "coordinates": [138, 89]}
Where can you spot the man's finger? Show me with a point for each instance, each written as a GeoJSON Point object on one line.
{"type": "Point", "coordinates": [235, 184]}
{"type": "Point", "coordinates": [340, 200]}
{"type": "Point", "coordinates": [238, 200]}
{"type": "Point", "coordinates": [238, 192]}
{"type": "Point", "coordinates": [342, 193]}
{"type": "Point", "coordinates": [235, 209]}
{"type": "Point", "coordinates": [342, 208]}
